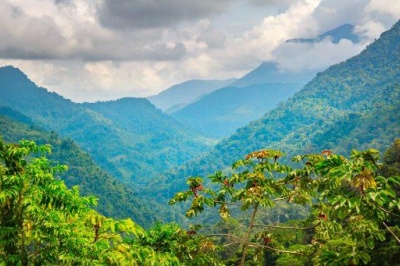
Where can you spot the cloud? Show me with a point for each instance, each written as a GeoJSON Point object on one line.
{"type": "Point", "coordinates": [128, 14]}
{"type": "Point", "coordinates": [314, 56]}
{"type": "Point", "coordinates": [280, 4]}
{"type": "Point", "coordinates": [385, 7]}
{"type": "Point", "coordinates": [332, 13]}
{"type": "Point", "coordinates": [103, 49]}
{"type": "Point", "coordinates": [27, 37]}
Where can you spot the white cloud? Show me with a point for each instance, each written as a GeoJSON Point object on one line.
{"type": "Point", "coordinates": [314, 56]}
{"type": "Point", "coordinates": [62, 45]}
{"type": "Point", "coordinates": [386, 7]}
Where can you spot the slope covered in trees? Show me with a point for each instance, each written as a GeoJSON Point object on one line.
{"type": "Point", "coordinates": [42, 222]}
{"type": "Point", "coordinates": [221, 112]}
{"type": "Point", "coordinates": [353, 104]}
{"type": "Point", "coordinates": [115, 198]}
{"type": "Point", "coordinates": [125, 140]}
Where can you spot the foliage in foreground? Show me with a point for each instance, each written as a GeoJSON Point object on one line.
{"type": "Point", "coordinates": [354, 214]}
{"type": "Point", "coordinates": [42, 222]}
{"type": "Point", "coordinates": [354, 209]}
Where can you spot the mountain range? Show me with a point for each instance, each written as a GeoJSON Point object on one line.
{"type": "Point", "coordinates": [129, 138]}
{"type": "Point", "coordinates": [351, 105]}
{"type": "Point", "coordinates": [132, 155]}
{"type": "Point", "coordinates": [221, 112]}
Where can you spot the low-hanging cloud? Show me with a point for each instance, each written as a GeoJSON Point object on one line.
{"type": "Point", "coordinates": [297, 57]}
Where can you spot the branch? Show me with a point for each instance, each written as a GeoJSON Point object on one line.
{"type": "Point", "coordinates": [385, 210]}
{"type": "Point", "coordinates": [284, 227]}
{"type": "Point", "coordinates": [277, 250]}
{"type": "Point", "coordinates": [387, 227]}
{"type": "Point", "coordinates": [229, 244]}
{"type": "Point", "coordinates": [227, 235]}
{"type": "Point", "coordinates": [282, 198]}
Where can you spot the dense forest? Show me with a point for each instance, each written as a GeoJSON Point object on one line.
{"type": "Point", "coordinates": [354, 210]}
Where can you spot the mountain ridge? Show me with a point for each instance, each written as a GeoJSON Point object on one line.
{"type": "Point", "coordinates": [93, 130]}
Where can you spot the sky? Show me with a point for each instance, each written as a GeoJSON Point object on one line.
{"type": "Point", "coordinates": [91, 50]}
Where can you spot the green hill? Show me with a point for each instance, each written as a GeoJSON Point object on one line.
{"type": "Point", "coordinates": [130, 138]}
{"type": "Point", "coordinates": [115, 198]}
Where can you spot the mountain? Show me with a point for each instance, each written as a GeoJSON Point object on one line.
{"type": "Point", "coordinates": [178, 96]}
{"type": "Point", "coordinates": [345, 31]}
{"type": "Point", "coordinates": [145, 141]}
{"type": "Point", "coordinates": [117, 138]}
{"type": "Point", "coordinates": [269, 72]}
{"type": "Point", "coordinates": [221, 112]}
{"type": "Point", "coordinates": [115, 198]}
{"type": "Point", "coordinates": [351, 105]}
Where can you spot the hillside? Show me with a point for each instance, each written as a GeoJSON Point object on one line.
{"type": "Point", "coordinates": [180, 95]}
{"type": "Point", "coordinates": [118, 141]}
{"type": "Point", "coordinates": [221, 112]}
{"type": "Point", "coordinates": [351, 105]}
{"type": "Point", "coordinates": [115, 199]}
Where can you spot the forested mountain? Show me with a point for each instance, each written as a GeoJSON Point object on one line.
{"type": "Point", "coordinates": [345, 31]}
{"type": "Point", "coordinates": [180, 95]}
{"type": "Point", "coordinates": [221, 112]}
{"type": "Point", "coordinates": [115, 198]}
{"type": "Point", "coordinates": [269, 72]}
{"type": "Point", "coordinates": [132, 140]}
{"type": "Point", "coordinates": [354, 104]}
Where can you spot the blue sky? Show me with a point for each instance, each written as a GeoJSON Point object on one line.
{"type": "Point", "coordinates": [106, 49]}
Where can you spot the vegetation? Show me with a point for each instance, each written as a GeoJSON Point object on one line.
{"type": "Point", "coordinates": [354, 214]}
{"type": "Point", "coordinates": [353, 208]}
{"type": "Point", "coordinates": [42, 222]}
{"type": "Point", "coordinates": [83, 171]}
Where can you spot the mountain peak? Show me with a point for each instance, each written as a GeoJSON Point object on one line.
{"type": "Point", "coordinates": [12, 72]}
{"type": "Point", "coordinates": [345, 31]}
{"type": "Point", "coordinates": [269, 72]}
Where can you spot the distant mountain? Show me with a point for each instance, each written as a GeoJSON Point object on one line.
{"type": "Point", "coordinates": [132, 140]}
{"type": "Point", "coordinates": [351, 105]}
{"type": "Point", "coordinates": [269, 72]}
{"type": "Point", "coordinates": [221, 112]}
{"type": "Point", "coordinates": [115, 198]}
{"type": "Point", "coordinates": [178, 96]}
{"type": "Point", "coordinates": [345, 31]}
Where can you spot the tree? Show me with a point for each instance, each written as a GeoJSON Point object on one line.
{"type": "Point", "coordinates": [350, 204]}
{"type": "Point", "coordinates": [42, 222]}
